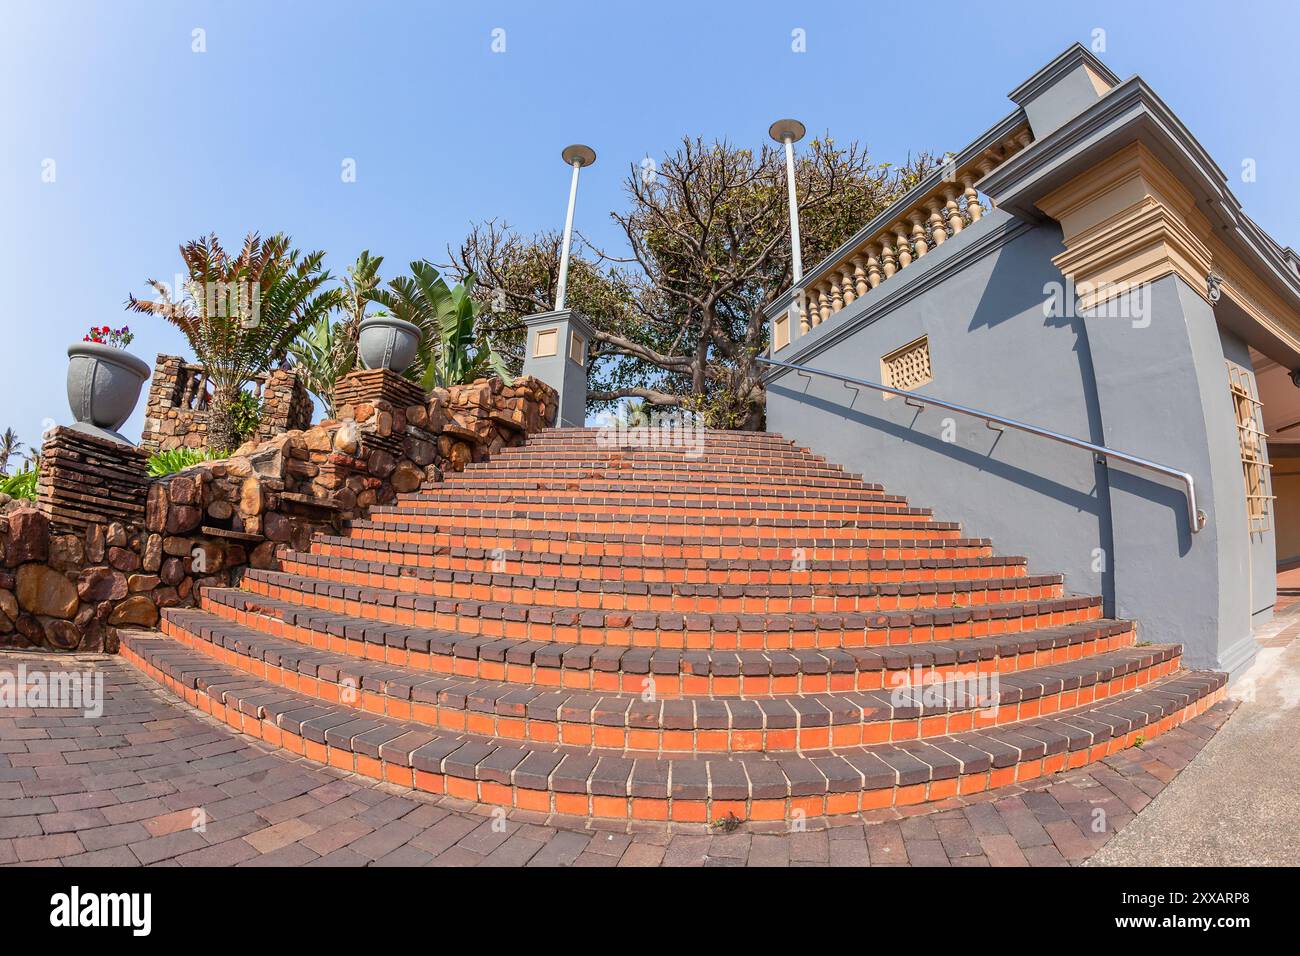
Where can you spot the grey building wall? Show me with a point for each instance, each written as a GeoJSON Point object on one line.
{"type": "Point", "coordinates": [1145, 385]}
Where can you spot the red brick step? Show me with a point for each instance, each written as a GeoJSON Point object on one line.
{"type": "Point", "coordinates": [675, 671]}
{"type": "Point", "coordinates": [644, 722]}
{"type": "Point", "coordinates": [595, 782]}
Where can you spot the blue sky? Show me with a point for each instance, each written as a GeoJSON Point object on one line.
{"type": "Point", "coordinates": [154, 143]}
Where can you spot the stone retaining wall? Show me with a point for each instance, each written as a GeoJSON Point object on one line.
{"type": "Point", "coordinates": [70, 586]}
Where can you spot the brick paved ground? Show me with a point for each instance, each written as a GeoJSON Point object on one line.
{"type": "Point", "coordinates": [126, 788]}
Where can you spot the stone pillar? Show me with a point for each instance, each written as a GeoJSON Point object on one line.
{"type": "Point", "coordinates": [286, 406]}
{"type": "Point", "coordinates": [556, 353]}
{"type": "Point", "coordinates": [371, 385]}
{"type": "Point", "coordinates": [88, 480]}
{"type": "Point", "coordinates": [162, 398]}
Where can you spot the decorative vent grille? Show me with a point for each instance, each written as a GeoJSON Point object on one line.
{"type": "Point", "coordinates": [908, 367]}
{"type": "Point", "coordinates": [1251, 438]}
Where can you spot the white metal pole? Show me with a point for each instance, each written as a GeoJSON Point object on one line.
{"type": "Point", "coordinates": [797, 261]}
{"type": "Point", "coordinates": [568, 236]}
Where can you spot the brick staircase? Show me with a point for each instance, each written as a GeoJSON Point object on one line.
{"type": "Point", "coordinates": [645, 634]}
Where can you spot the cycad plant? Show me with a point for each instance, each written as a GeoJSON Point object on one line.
{"type": "Point", "coordinates": [454, 348]}
{"type": "Point", "coordinates": [240, 314]}
{"type": "Point", "coordinates": [327, 350]}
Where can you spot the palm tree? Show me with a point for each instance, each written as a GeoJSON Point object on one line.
{"type": "Point", "coordinates": [326, 351]}
{"type": "Point", "coordinates": [241, 313]}
{"type": "Point", "coordinates": [9, 446]}
{"type": "Point", "coordinates": [454, 348]}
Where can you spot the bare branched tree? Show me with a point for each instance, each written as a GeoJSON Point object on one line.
{"type": "Point", "coordinates": [679, 318]}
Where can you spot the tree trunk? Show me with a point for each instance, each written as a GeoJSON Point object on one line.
{"type": "Point", "coordinates": [222, 438]}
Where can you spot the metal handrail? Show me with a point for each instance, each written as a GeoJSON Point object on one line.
{"type": "Point", "coordinates": [1196, 517]}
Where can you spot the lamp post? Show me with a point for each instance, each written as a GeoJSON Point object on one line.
{"type": "Point", "coordinates": [576, 156]}
{"type": "Point", "coordinates": [789, 132]}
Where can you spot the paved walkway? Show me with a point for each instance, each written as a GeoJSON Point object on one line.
{"type": "Point", "coordinates": [1238, 804]}
{"type": "Point", "coordinates": [154, 782]}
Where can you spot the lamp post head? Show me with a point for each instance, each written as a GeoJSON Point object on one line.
{"type": "Point", "coordinates": [578, 155]}
{"type": "Point", "coordinates": [786, 130]}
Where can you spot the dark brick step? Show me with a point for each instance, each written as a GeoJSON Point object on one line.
{"type": "Point", "coordinates": [749, 546]}
{"type": "Point", "coordinates": [447, 500]}
{"type": "Point", "coordinates": [506, 520]}
{"type": "Point", "coordinates": [762, 482]}
{"type": "Point", "coordinates": [681, 725]}
{"type": "Point", "coordinates": [336, 551]}
{"type": "Point", "coordinates": [669, 629]}
{"type": "Point", "coordinates": [586, 781]}
{"type": "Point", "coordinates": [684, 450]}
{"type": "Point", "coordinates": [757, 458]}
{"type": "Point", "coordinates": [676, 672]}
{"type": "Point", "coordinates": [455, 483]}
{"type": "Point", "coordinates": [701, 470]}
{"type": "Point", "coordinates": [711, 435]}
{"type": "Point", "coordinates": [549, 591]}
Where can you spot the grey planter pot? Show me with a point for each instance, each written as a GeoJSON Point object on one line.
{"type": "Point", "coordinates": [103, 387]}
{"type": "Point", "coordinates": [386, 342]}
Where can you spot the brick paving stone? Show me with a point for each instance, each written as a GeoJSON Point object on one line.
{"type": "Point", "coordinates": [1001, 849]}
{"type": "Point", "coordinates": [926, 853]}
{"type": "Point", "coordinates": [11, 827]}
{"type": "Point", "coordinates": [336, 836]}
{"type": "Point", "coordinates": [1044, 856]}
{"type": "Point", "coordinates": [276, 837]}
{"type": "Point", "coordinates": [457, 856]}
{"type": "Point", "coordinates": [1021, 822]}
{"type": "Point", "coordinates": [687, 850]}
{"type": "Point", "coordinates": [384, 840]}
{"type": "Point", "coordinates": [113, 856]}
{"type": "Point", "coordinates": [167, 846]}
{"type": "Point", "coordinates": [769, 850]}
{"type": "Point", "coordinates": [340, 857]}
{"type": "Point", "coordinates": [405, 855]}
{"type": "Point", "coordinates": [295, 854]}
{"type": "Point", "coordinates": [51, 847]}
{"type": "Point", "coordinates": [643, 854]}
{"type": "Point", "coordinates": [297, 807]}
{"type": "Point", "coordinates": [885, 843]}
{"type": "Point", "coordinates": [810, 847]}
{"type": "Point", "coordinates": [958, 837]}
{"type": "Point", "coordinates": [610, 844]}
{"type": "Point", "coordinates": [66, 821]}
{"type": "Point", "coordinates": [1068, 838]}
{"type": "Point", "coordinates": [730, 846]}
{"type": "Point", "coordinates": [173, 822]}
{"type": "Point", "coordinates": [562, 849]}
{"type": "Point", "coordinates": [119, 834]}
{"type": "Point", "coordinates": [447, 832]}
{"type": "Point", "coordinates": [516, 851]}
{"type": "Point", "coordinates": [228, 853]}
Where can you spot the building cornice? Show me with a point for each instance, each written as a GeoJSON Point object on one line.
{"type": "Point", "coordinates": [1181, 175]}
{"type": "Point", "coordinates": [1076, 55]}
